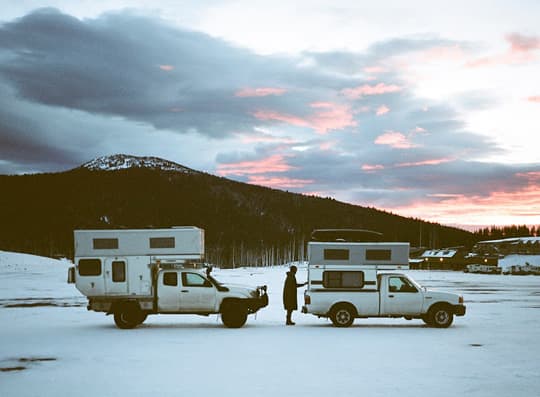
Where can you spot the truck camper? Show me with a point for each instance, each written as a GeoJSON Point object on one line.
{"type": "Point", "coordinates": [132, 273]}
{"type": "Point", "coordinates": [349, 278]}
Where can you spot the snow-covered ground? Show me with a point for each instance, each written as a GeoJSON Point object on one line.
{"type": "Point", "coordinates": [67, 351]}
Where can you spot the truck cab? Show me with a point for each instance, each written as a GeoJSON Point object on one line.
{"type": "Point", "coordinates": [353, 279]}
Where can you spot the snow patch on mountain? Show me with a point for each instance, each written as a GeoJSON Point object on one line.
{"type": "Point", "coordinates": [123, 161]}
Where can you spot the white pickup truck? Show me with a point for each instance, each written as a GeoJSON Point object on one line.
{"type": "Point", "coordinates": [137, 272]}
{"type": "Point", "coordinates": [352, 279]}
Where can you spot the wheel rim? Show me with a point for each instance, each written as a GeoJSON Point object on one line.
{"type": "Point", "coordinates": [343, 316]}
{"type": "Point", "coordinates": [441, 317]}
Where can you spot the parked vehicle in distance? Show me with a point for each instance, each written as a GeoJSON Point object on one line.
{"type": "Point", "coordinates": [482, 269]}
{"type": "Point", "coordinates": [351, 279]}
{"type": "Point", "coordinates": [137, 272]}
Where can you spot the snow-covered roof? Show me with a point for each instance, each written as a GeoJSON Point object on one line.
{"type": "Point", "coordinates": [443, 253]}
{"type": "Point", "coordinates": [513, 240]}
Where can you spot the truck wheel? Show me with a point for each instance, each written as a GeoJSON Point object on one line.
{"type": "Point", "coordinates": [440, 317]}
{"type": "Point", "coordinates": [342, 315]}
{"type": "Point", "coordinates": [129, 317]}
{"type": "Point", "coordinates": [425, 319]}
{"type": "Point", "coordinates": [234, 316]}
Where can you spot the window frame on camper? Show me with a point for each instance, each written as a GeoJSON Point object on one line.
{"type": "Point", "coordinates": [84, 267]}
{"type": "Point", "coordinates": [329, 277]}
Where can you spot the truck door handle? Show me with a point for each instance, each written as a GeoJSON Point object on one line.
{"type": "Point", "coordinates": [184, 290]}
{"type": "Point", "coordinates": [390, 296]}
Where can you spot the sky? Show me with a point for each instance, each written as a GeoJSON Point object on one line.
{"type": "Point", "coordinates": [426, 109]}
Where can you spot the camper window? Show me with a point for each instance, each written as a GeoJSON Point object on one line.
{"type": "Point", "coordinates": [105, 243]}
{"type": "Point", "coordinates": [170, 278]}
{"type": "Point", "coordinates": [336, 254]}
{"type": "Point", "coordinates": [89, 267]}
{"type": "Point", "coordinates": [119, 271]}
{"type": "Point", "coordinates": [378, 255]}
{"type": "Point", "coordinates": [161, 242]}
{"type": "Point", "coordinates": [343, 279]}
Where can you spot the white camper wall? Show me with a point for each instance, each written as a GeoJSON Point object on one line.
{"type": "Point", "coordinates": [357, 254]}
{"type": "Point", "coordinates": [188, 242]}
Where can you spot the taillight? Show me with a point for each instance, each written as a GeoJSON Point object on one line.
{"type": "Point", "coordinates": [307, 299]}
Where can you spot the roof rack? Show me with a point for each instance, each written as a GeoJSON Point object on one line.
{"type": "Point", "coordinates": [346, 235]}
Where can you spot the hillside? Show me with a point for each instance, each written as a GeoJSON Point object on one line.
{"type": "Point", "coordinates": [245, 224]}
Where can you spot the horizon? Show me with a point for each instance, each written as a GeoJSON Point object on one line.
{"type": "Point", "coordinates": [389, 106]}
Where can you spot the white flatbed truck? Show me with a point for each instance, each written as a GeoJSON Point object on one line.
{"type": "Point", "coordinates": [349, 279]}
{"type": "Point", "coordinates": [132, 273]}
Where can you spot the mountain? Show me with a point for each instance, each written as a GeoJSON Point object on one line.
{"type": "Point", "coordinates": [124, 161]}
{"type": "Point", "coordinates": [245, 224]}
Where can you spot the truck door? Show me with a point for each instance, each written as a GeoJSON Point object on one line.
{"type": "Point", "coordinates": [116, 280]}
{"type": "Point", "coordinates": [400, 297]}
{"type": "Point", "coordinates": [168, 292]}
{"type": "Point", "coordinates": [197, 294]}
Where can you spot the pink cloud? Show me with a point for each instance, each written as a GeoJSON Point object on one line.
{"type": "Point", "coordinates": [522, 43]}
{"type": "Point", "coordinates": [366, 89]}
{"type": "Point", "coordinates": [275, 163]}
{"type": "Point", "coordinates": [520, 51]}
{"type": "Point", "coordinates": [166, 68]}
{"type": "Point", "coordinates": [372, 167]}
{"type": "Point", "coordinates": [279, 182]}
{"type": "Point", "coordinates": [259, 92]}
{"type": "Point", "coordinates": [497, 208]}
{"type": "Point", "coordinates": [535, 98]}
{"type": "Point", "coordinates": [328, 116]}
{"type": "Point", "coordinates": [394, 139]}
{"type": "Point", "coordinates": [383, 109]}
{"type": "Point", "coordinates": [425, 162]}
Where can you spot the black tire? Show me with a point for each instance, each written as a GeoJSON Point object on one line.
{"type": "Point", "coordinates": [425, 319]}
{"type": "Point", "coordinates": [440, 316]}
{"type": "Point", "coordinates": [129, 317]}
{"type": "Point", "coordinates": [234, 315]}
{"type": "Point", "coordinates": [343, 316]}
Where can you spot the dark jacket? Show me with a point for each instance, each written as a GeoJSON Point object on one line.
{"type": "Point", "coordinates": [289, 292]}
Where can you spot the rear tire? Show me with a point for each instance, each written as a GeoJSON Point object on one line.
{"type": "Point", "coordinates": [129, 317]}
{"type": "Point", "coordinates": [440, 316]}
{"type": "Point", "coordinates": [234, 315]}
{"type": "Point", "coordinates": [342, 316]}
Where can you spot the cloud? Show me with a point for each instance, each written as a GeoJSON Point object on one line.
{"type": "Point", "coordinates": [395, 140]}
{"type": "Point", "coordinates": [272, 164]}
{"type": "Point", "coordinates": [383, 109]}
{"type": "Point", "coordinates": [327, 116]}
{"type": "Point", "coordinates": [258, 92]}
{"type": "Point", "coordinates": [521, 50]}
{"type": "Point", "coordinates": [367, 89]}
{"type": "Point", "coordinates": [534, 98]}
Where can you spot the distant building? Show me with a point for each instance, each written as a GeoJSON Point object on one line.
{"type": "Point", "coordinates": [453, 258]}
{"type": "Point", "coordinates": [508, 246]}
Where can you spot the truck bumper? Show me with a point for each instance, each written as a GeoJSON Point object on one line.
{"type": "Point", "coordinates": [255, 304]}
{"type": "Point", "coordinates": [459, 310]}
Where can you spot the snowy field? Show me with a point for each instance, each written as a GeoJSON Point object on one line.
{"type": "Point", "coordinates": [50, 345]}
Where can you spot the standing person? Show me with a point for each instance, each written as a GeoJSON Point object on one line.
{"type": "Point", "coordinates": [290, 302]}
